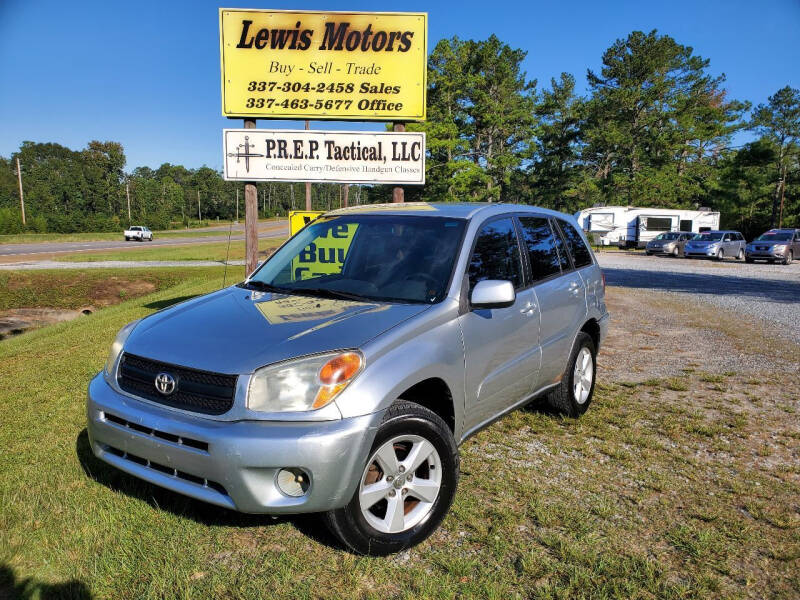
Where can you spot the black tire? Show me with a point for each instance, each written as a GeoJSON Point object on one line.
{"type": "Point", "coordinates": [787, 260]}
{"type": "Point", "coordinates": [675, 252]}
{"type": "Point", "coordinates": [348, 523]}
{"type": "Point", "coordinates": [562, 399]}
{"type": "Point", "coordinates": [720, 255]}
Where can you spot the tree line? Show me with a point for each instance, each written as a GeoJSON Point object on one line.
{"type": "Point", "coordinates": [654, 129]}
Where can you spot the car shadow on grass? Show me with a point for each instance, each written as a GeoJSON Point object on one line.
{"type": "Point", "coordinates": [159, 498]}
{"type": "Point", "coordinates": [12, 587]}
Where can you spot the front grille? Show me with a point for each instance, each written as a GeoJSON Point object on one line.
{"type": "Point", "coordinates": [166, 470]}
{"type": "Point", "coordinates": [161, 435]}
{"type": "Point", "coordinates": [196, 391]}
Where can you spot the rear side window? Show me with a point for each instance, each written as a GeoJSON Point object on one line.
{"type": "Point", "coordinates": [540, 243]}
{"type": "Point", "coordinates": [581, 255]}
{"type": "Point", "coordinates": [496, 254]}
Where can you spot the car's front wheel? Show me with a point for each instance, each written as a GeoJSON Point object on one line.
{"type": "Point", "coordinates": [573, 395]}
{"type": "Point", "coordinates": [406, 487]}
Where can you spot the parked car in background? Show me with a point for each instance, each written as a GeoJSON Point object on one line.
{"type": "Point", "coordinates": [139, 233]}
{"type": "Point", "coordinates": [341, 376]}
{"type": "Point", "coordinates": [669, 243]}
{"type": "Point", "coordinates": [716, 244]}
{"type": "Point", "coordinates": [775, 245]}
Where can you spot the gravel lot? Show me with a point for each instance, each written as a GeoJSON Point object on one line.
{"type": "Point", "coordinates": [770, 293]}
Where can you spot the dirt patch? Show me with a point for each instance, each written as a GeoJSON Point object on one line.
{"type": "Point", "coordinates": [654, 334]}
{"type": "Point", "coordinates": [116, 289]}
{"type": "Point", "coordinates": [19, 320]}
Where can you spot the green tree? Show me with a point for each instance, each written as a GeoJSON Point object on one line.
{"type": "Point", "coordinates": [480, 119]}
{"type": "Point", "coordinates": [558, 143]}
{"type": "Point", "coordinates": [779, 120]}
{"type": "Point", "coordinates": [656, 121]}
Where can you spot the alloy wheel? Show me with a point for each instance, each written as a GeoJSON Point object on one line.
{"type": "Point", "coordinates": [582, 375]}
{"type": "Point", "coordinates": [400, 484]}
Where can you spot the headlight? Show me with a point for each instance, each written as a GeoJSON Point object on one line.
{"type": "Point", "coordinates": [779, 247]}
{"type": "Point", "coordinates": [303, 384]}
{"type": "Point", "coordinates": [116, 347]}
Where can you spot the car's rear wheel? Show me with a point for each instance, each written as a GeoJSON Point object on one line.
{"type": "Point", "coordinates": [574, 394]}
{"type": "Point", "coordinates": [406, 487]}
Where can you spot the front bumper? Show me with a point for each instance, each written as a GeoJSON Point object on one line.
{"type": "Point", "coordinates": [700, 251]}
{"type": "Point", "coordinates": [764, 254]}
{"type": "Point", "coordinates": [230, 464]}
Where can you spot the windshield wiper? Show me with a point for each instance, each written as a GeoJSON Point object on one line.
{"type": "Point", "coordinates": [265, 287]}
{"type": "Point", "coordinates": [327, 293]}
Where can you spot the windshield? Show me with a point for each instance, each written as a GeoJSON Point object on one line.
{"type": "Point", "coordinates": [708, 236]}
{"type": "Point", "coordinates": [668, 236]}
{"type": "Point", "coordinates": [774, 236]}
{"type": "Point", "coordinates": [367, 257]}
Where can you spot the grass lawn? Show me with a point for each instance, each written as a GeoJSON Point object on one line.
{"type": "Point", "coordinates": [211, 251]}
{"type": "Point", "coordinates": [679, 487]}
{"type": "Point", "coordinates": [86, 287]}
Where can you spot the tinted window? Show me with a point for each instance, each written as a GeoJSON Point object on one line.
{"type": "Point", "coordinates": [540, 244]}
{"type": "Point", "coordinates": [580, 253]}
{"type": "Point", "coordinates": [496, 254]}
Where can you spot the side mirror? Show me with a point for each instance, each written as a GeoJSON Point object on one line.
{"type": "Point", "coordinates": [493, 293]}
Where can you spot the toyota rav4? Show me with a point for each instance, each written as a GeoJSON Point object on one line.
{"type": "Point", "coordinates": [341, 376]}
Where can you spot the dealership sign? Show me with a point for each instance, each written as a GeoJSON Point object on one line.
{"type": "Point", "coordinates": [330, 156]}
{"type": "Point", "coordinates": [323, 65]}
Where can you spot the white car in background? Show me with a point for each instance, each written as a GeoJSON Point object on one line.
{"type": "Point", "coordinates": [139, 233]}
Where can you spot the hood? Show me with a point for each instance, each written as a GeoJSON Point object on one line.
{"type": "Point", "coordinates": [236, 330]}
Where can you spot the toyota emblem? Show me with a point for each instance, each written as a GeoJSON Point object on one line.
{"type": "Point", "coordinates": [165, 384]}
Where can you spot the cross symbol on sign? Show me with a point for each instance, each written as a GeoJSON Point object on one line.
{"type": "Point", "coordinates": [246, 155]}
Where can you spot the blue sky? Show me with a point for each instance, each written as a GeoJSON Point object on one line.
{"type": "Point", "coordinates": [146, 73]}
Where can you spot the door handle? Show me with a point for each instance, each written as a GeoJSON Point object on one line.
{"type": "Point", "coordinates": [528, 310]}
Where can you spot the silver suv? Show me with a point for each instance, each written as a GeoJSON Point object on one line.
{"type": "Point", "coordinates": [342, 375]}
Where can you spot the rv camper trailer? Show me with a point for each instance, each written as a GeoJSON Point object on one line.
{"type": "Point", "coordinates": [631, 227]}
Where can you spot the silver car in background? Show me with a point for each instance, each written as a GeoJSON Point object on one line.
{"type": "Point", "coordinates": [716, 244]}
{"type": "Point", "coordinates": [341, 376]}
{"type": "Point", "coordinates": [669, 242]}
{"type": "Point", "coordinates": [775, 245]}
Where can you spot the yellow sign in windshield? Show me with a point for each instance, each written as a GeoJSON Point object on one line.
{"type": "Point", "coordinates": [326, 254]}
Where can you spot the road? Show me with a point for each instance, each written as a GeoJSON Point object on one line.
{"type": "Point", "coordinates": [31, 250]}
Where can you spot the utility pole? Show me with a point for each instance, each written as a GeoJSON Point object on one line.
{"type": "Point", "coordinates": [308, 184]}
{"type": "Point", "coordinates": [199, 216]}
{"type": "Point", "coordinates": [21, 196]}
{"type": "Point", "coordinates": [128, 196]}
{"type": "Point", "coordinates": [237, 204]}
{"type": "Point", "coordinates": [398, 194]}
{"type": "Point", "coordinates": [250, 217]}
{"type": "Point", "coordinates": [346, 193]}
